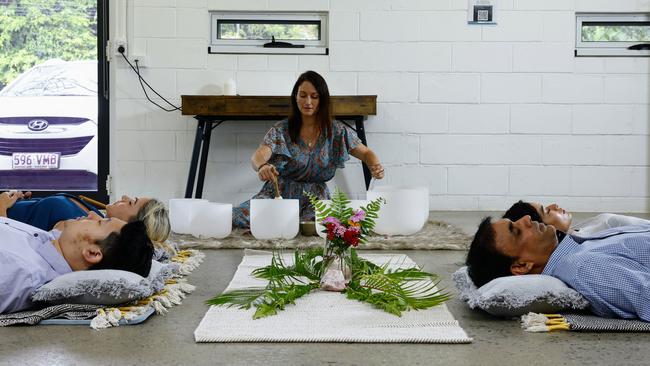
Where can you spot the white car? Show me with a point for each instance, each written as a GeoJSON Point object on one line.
{"type": "Point", "coordinates": [48, 128]}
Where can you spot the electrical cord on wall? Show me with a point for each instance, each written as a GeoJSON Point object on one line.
{"type": "Point", "coordinates": [143, 82]}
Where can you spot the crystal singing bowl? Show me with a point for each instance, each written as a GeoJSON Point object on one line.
{"type": "Point", "coordinates": [275, 219]}
{"type": "Point", "coordinates": [214, 220]}
{"type": "Point", "coordinates": [181, 212]}
{"type": "Point", "coordinates": [405, 212]}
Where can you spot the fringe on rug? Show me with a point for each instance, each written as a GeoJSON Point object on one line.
{"type": "Point", "coordinates": [536, 322]}
{"type": "Point", "coordinates": [175, 290]}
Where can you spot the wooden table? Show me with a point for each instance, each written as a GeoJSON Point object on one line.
{"type": "Point", "coordinates": [213, 110]}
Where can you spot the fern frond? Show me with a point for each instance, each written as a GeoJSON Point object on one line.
{"type": "Point", "coordinates": [321, 209]}
{"type": "Point", "coordinates": [277, 299]}
{"type": "Point", "coordinates": [243, 298]}
{"type": "Point", "coordinates": [305, 265]}
{"type": "Point", "coordinates": [396, 290]}
{"type": "Point", "coordinates": [393, 291]}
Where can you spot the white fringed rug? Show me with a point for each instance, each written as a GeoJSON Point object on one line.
{"type": "Point", "coordinates": [323, 316]}
{"type": "Point", "coordinates": [434, 235]}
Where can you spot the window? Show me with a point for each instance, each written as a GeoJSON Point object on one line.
{"type": "Point", "coordinates": [613, 34]}
{"type": "Point", "coordinates": [53, 98]}
{"type": "Point", "coordinates": [268, 32]}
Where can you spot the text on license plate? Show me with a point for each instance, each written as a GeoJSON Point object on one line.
{"type": "Point", "coordinates": [35, 160]}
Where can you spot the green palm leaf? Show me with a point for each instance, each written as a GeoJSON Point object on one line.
{"type": "Point", "coordinates": [396, 290]}
{"type": "Point", "coordinates": [277, 298]}
{"type": "Point", "coordinates": [393, 291]}
{"type": "Point", "coordinates": [243, 298]}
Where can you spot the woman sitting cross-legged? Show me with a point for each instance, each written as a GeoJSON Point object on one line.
{"type": "Point", "coordinates": [304, 151]}
{"type": "Point", "coordinates": [562, 220]}
{"type": "Point", "coordinates": [45, 212]}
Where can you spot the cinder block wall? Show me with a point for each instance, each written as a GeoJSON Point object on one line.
{"type": "Point", "coordinates": [482, 115]}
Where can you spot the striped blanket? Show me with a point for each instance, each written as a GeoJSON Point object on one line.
{"type": "Point", "coordinates": [535, 322]}
{"type": "Point", "coordinates": [63, 311]}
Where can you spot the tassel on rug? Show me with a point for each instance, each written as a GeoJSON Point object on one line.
{"type": "Point", "coordinates": [175, 290]}
{"type": "Point", "coordinates": [536, 322]}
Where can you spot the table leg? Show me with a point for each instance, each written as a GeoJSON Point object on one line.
{"type": "Point", "coordinates": [207, 133]}
{"type": "Point", "coordinates": [361, 132]}
{"type": "Point", "coordinates": [198, 139]}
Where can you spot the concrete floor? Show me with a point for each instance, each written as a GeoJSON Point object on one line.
{"type": "Point", "coordinates": [169, 340]}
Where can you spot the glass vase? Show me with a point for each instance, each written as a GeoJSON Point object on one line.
{"type": "Point", "coordinates": [337, 272]}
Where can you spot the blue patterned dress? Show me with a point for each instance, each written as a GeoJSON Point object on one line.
{"type": "Point", "coordinates": [301, 168]}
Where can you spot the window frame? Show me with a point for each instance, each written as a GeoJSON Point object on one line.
{"type": "Point", "coordinates": [255, 46]}
{"type": "Point", "coordinates": [102, 193]}
{"type": "Point", "coordinates": [608, 49]}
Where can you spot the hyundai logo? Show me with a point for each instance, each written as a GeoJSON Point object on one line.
{"type": "Point", "coordinates": [37, 124]}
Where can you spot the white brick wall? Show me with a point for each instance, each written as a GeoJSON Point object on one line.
{"type": "Point", "coordinates": [450, 88]}
{"type": "Point", "coordinates": [481, 115]}
{"type": "Point", "coordinates": [395, 87]}
{"type": "Point", "coordinates": [479, 118]}
{"type": "Point", "coordinates": [540, 119]}
{"type": "Point", "coordinates": [494, 57]}
{"type": "Point", "coordinates": [511, 88]}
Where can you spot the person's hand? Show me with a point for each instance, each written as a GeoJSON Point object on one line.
{"type": "Point", "coordinates": [377, 171]}
{"type": "Point", "coordinates": [267, 172]}
{"type": "Point", "coordinates": [7, 199]}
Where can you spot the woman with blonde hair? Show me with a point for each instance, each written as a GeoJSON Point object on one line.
{"type": "Point", "coordinates": [155, 216]}
{"type": "Point", "coordinates": [45, 212]}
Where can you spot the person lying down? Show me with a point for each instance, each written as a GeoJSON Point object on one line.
{"type": "Point", "coordinates": [44, 213]}
{"type": "Point", "coordinates": [31, 257]}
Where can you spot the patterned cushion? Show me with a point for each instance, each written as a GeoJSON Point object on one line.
{"type": "Point", "coordinates": [104, 287]}
{"type": "Point", "coordinates": [517, 295]}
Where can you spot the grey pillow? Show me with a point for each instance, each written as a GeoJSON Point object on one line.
{"type": "Point", "coordinates": [517, 295]}
{"type": "Point", "coordinates": [104, 287]}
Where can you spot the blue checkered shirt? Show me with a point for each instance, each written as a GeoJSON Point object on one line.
{"type": "Point", "coordinates": [611, 269]}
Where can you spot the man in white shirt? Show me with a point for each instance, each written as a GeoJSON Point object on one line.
{"type": "Point", "coordinates": [30, 257]}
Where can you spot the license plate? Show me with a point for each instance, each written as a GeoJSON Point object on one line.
{"type": "Point", "coordinates": [35, 160]}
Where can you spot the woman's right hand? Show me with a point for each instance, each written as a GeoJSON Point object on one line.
{"type": "Point", "coordinates": [267, 172]}
{"type": "Point", "coordinates": [7, 199]}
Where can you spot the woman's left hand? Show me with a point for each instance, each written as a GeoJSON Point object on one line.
{"type": "Point", "coordinates": [377, 171]}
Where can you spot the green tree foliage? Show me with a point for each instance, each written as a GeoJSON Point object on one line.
{"type": "Point", "coordinates": [265, 31]}
{"type": "Point", "coordinates": [617, 33]}
{"type": "Point", "coordinates": [32, 31]}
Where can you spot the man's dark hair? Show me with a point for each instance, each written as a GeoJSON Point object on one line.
{"type": "Point", "coordinates": [521, 209]}
{"type": "Point", "coordinates": [484, 262]}
{"type": "Point", "coordinates": [130, 250]}
{"type": "Point", "coordinates": [324, 112]}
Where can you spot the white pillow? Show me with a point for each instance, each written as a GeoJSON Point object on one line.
{"type": "Point", "coordinates": [105, 286]}
{"type": "Point", "coordinates": [517, 295]}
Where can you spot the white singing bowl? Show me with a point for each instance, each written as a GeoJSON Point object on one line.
{"type": "Point", "coordinates": [181, 212]}
{"type": "Point", "coordinates": [404, 210]}
{"type": "Point", "coordinates": [213, 221]}
{"type": "Point", "coordinates": [275, 219]}
{"type": "Point", "coordinates": [354, 204]}
{"type": "Point", "coordinates": [423, 190]}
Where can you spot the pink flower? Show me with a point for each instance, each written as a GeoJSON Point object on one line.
{"type": "Point", "coordinates": [331, 220]}
{"type": "Point", "coordinates": [358, 216]}
{"type": "Point", "coordinates": [340, 231]}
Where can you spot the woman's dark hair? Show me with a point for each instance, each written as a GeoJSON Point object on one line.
{"type": "Point", "coordinates": [484, 262]}
{"type": "Point", "coordinates": [521, 209]}
{"type": "Point", "coordinates": [130, 250]}
{"type": "Point", "coordinates": [324, 113]}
